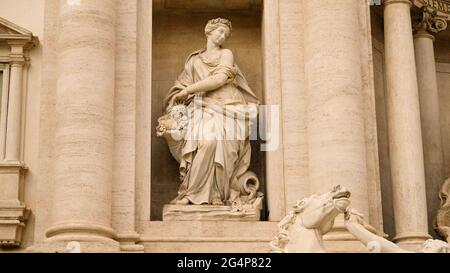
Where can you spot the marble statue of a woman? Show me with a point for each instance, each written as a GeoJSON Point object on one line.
{"type": "Point", "coordinates": [210, 106]}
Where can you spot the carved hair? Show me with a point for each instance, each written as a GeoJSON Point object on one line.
{"type": "Point", "coordinates": [215, 23]}
{"type": "Point", "coordinates": [437, 246]}
{"type": "Point", "coordinates": [280, 241]}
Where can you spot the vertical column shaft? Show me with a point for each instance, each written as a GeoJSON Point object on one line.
{"type": "Point", "coordinates": [430, 118]}
{"type": "Point", "coordinates": [84, 129]}
{"type": "Point", "coordinates": [405, 138]}
{"type": "Point", "coordinates": [276, 197]}
{"type": "Point", "coordinates": [14, 124]}
{"type": "Point", "coordinates": [336, 136]}
{"type": "Point", "coordinates": [124, 165]}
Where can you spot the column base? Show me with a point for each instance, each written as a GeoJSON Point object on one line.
{"type": "Point", "coordinates": [128, 243]}
{"type": "Point", "coordinates": [412, 241]}
{"type": "Point", "coordinates": [77, 238]}
{"type": "Point", "coordinates": [76, 244]}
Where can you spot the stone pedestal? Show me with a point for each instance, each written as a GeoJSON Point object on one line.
{"type": "Point", "coordinates": [13, 212]}
{"type": "Point", "coordinates": [208, 213]}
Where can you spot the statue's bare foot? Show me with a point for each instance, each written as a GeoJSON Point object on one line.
{"type": "Point", "coordinates": [183, 201]}
{"type": "Point", "coordinates": [217, 202]}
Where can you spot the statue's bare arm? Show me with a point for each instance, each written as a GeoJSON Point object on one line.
{"type": "Point", "coordinates": [215, 81]}
{"type": "Point", "coordinates": [355, 225]}
{"type": "Point", "coordinates": [210, 83]}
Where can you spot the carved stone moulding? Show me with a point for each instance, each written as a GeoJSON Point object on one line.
{"type": "Point", "coordinates": [14, 34]}
{"type": "Point", "coordinates": [13, 212]}
{"type": "Point", "coordinates": [12, 223]}
{"type": "Point", "coordinates": [441, 7]}
{"type": "Point", "coordinates": [207, 5]}
{"type": "Point", "coordinates": [208, 213]}
{"type": "Point", "coordinates": [429, 21]}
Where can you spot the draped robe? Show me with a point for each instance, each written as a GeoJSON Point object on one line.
{"type": "Point", "coordinates": [216, 150]}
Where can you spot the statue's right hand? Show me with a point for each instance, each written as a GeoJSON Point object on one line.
{"type": "Point", "coordinates": [179, 98]}
{"type": "Point", "coordinates": [171, 104]}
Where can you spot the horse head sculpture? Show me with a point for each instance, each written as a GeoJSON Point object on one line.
{"type": "Point", "coordinates": [302, 229]}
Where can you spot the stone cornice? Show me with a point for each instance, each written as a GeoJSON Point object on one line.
{"type": "Point", "coordinates": [441, 7]}
{"type": "Point", "coordinates": [13, 34]}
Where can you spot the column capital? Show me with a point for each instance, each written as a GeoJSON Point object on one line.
{"type": "Point", "coordinates": [388, 2]}
{"type": "Point", "coordinates": [429, 23]}
{"type": "Point", "coordinates": [17, 55]}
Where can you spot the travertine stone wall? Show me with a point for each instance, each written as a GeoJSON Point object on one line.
{"type": "Point", "coordinates": [382, 131]}
{"type": "Point", "coordinates": [443, 70]}
{"type": "Point", "coordinates": [30, 15]}
{"type": "Point", "coordinates": [441, 47]}
{"type": "Point", "coordinates": [443, 74]}
{"type": "Point", "coordinates": [84, 123]}
{"type": "Point", "coordinates": [143, 108]}
{"type": "Point", "coordinates": [47, 121]}
{"type": "Point", "coordinates": [296, 175]}
{"type": "Point", "coordinates": [294, 101]}
{"type": "Point", "coordinates": [442, 54]}
{"type": "Point", "coordinates": [335, 117]}
{"type": "Point", "coordinates": [176, 34]}
{"type": "Point", "coordinates": [375, 216]}
{"type": "Point", "coordinates": [124, 171]}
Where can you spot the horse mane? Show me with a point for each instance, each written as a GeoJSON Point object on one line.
{"type": "Point", "coordinates": [278, 244]}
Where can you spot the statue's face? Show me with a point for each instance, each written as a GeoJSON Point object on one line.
{"type": "Point", "coordinates": [219, 35]}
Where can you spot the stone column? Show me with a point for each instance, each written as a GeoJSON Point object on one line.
{"type": "Point", "coordinates": [405, 138]}
{"type": "Point", "coordinates": [14, 124]}
{"type": "Point", "coordinates": [124, 165]}
{"type": "Point", "coordinates": [84, 129]}
{"type": "Point", "coordinates": [429, 25]}
{"type": "Point", "coordinates": [274, 147]}
{"type": "Point", "coordinates": [143, 110]}
{"type": "Point", "coordinates": [336, 136]}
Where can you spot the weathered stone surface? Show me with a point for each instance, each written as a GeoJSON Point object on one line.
{"type": "Point", "coordinates": [208, 213]}
{"type": "Point", "coordinates": [92, 92]}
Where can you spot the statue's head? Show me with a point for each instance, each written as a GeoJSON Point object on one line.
{"type": "Point", "coordinates": [435, 246]}
{"type": "Point", "coordinates": [220, 28]}
{"type": "Point", "coordinates": [319, 210]}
